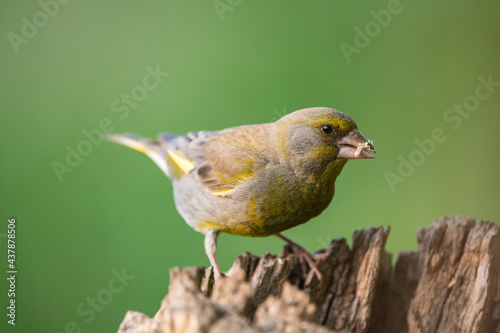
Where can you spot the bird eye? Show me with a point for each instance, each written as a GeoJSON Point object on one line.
{"type": "Point", "coordinates": [327, 129]}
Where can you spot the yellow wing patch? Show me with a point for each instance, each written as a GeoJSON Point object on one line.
{"type": "Point", "coordinates": [225, 169]}
{"type": "Point", "coordinates": [223, 193]}
{"type": "Point", "coordinates": [179, 163]}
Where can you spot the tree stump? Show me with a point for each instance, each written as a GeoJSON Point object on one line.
{"type": "Point", "coordinates": [450, 284]}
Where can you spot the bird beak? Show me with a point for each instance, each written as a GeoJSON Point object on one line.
{"type": "Point", "coordinates": [355, 146]}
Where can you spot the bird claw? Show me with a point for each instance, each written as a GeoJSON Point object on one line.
{"type": "Point", "coordinates": [304, 257]}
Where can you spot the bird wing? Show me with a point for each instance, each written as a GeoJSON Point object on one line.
{"type": "Point", "coordinates": [217, 160]}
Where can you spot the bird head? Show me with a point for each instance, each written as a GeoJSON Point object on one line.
{"type": "Point", "coordinates": [318, 136]}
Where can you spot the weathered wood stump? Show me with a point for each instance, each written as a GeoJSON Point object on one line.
{"type": "Point", "coordinates": [450, 284]}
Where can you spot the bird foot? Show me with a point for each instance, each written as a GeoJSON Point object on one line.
{"type": "Point", "coordinates": [304, 256]}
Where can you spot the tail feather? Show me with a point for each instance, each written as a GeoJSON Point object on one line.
{"type": "Point", "coordinates": [149, 147]}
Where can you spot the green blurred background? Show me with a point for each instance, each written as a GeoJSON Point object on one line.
{"type": "Point", "coordinates": [229, 63]}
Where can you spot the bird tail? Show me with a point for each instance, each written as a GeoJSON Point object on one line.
{"type": "Point", "coordinates": [149, 147]}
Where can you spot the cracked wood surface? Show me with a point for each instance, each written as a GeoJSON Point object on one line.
{"type": "Point", "coordinates": [450, 284]}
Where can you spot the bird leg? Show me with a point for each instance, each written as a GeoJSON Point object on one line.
{"type": "Point", "coordinates": [210, 247]}
{"type": "Point", "coordinates": [303, 255]}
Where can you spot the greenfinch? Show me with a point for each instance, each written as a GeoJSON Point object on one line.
{"type": "Point", "coordinates": [256, 180]}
